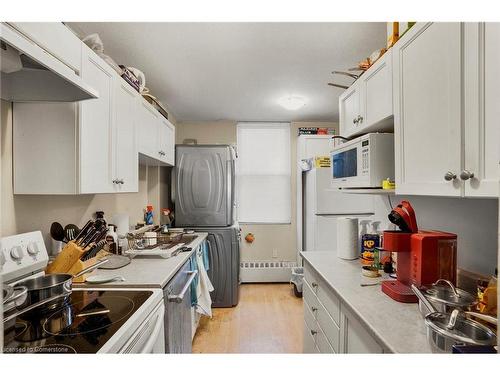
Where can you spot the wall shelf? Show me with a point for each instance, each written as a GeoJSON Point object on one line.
{"type": "Point", "coordinates": [369, 191]}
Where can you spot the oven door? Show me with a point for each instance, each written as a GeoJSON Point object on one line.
{"type": "Point", "coordinates": [178, 320]}
{"type": "Point", "coordinates": [150, 337]}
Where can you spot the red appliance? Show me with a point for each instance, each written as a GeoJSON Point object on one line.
{"type": "Point", "coordinates": [423, 256]}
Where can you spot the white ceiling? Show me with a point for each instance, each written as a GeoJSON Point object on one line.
{"type": "Point", "coordinates": [238, 71]}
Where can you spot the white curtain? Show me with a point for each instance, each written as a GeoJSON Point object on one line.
{"type": "Point", "coordinates": [263, 173]}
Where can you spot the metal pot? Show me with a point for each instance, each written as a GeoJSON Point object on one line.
{"type": "Point", "coordinates": [442, 336]}
{"type": "Point", "coordinates": [13, 297]}
{"type": "Point", "coordinates": [48, 291]}
{"type": "Point", "coordinates": [446, 298]}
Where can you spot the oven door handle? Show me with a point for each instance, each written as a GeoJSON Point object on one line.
{"type": "Point", "coordinates": [177, 298]}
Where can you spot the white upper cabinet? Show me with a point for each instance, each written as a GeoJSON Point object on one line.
{"type": "Point", "coordinates": [366, 106]}
{"type": "Point", "coordinates": [156, 136]}
{"type": "Point", "coordinates": [446, 94]}
{"type": "Point", "coordinates": [125, 156]}
{"type": "Point", "coordinates": [147, 130]}
{"type": "Point", "coordinates": [96, 118]}
{"type": "Point", "coordinates": [349, 110]}
{"type": "Point", "coordinates": [167, 141]}
{"type": "Point", "coordinates": [482, 109]}
{"type": "Point", "coordinates": [376, 100]}
{"type": "Point", "coordinates": [427, 110]}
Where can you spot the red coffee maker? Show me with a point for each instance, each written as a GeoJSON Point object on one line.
{"type": "Point", "coordinates": [423, 256]}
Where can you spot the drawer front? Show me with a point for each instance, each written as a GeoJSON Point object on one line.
{"type": "Point", "coordinates": [322, 343]}
{"type": "Point", "coordinates": [330, 329]}
{"type": "Point", "coordinates": [330, 301]}
{"type": "Point", "coordinates": [309, 297]}
{"type": "Point", "coordinates": [309, 345]}
{"type": "Point", "coordinates": [309, 318]}
{"type": "Point", "coordinates": [311, 277]}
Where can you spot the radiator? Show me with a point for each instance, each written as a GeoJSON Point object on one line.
{"type": "Point", "coordinates": [266, 271]}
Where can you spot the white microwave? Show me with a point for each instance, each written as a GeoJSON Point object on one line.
{"type": "Point", "coordinates": [363, 162]}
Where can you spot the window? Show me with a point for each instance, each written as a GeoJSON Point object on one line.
{"type": "Point", "coordinates": [263, 173]}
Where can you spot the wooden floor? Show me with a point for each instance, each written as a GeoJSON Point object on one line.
{"type": "Point", "coordinates": [268, 319]}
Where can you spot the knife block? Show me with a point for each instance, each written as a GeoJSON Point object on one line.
{"type": "Point", "coordinates": [81, 265]}
{"type": "Point", "coordinates": [69, 255]}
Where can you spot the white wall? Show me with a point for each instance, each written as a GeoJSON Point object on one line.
{"type": "Point", "coordinates": [475, 221]}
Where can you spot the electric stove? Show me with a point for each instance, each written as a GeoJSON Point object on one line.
{"type": "Point", "coordinates": [83, 324]}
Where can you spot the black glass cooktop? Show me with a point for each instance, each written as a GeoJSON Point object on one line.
{"type": "Point", "coordinates": [82, 324]}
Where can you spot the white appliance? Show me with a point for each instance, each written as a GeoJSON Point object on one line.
{"type": "Point", "coordinates": [133, 323]}
{"type": "Point", "coordinates": [363, 162]}
{"type": "Point", "coordinates": [308, 146]}
{"type": "Point", "coordinates": [323, 205]}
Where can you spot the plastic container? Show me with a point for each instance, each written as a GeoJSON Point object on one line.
{"type": "Point", "coordinates": [297, 280]}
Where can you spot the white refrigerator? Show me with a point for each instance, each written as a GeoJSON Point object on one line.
{"type": "Point", "coordinates": [322, 205]}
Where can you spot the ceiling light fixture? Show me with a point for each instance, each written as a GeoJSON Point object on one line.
{"type": "Point", "coordinates": [292, 102]}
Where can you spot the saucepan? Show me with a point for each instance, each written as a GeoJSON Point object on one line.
{"type": "Point", "coordinates": [446, 298]}
{"type": "Point", "coordinates": [12, 299]}
{"type": "Point", "coordinates": [447, 329]}
{"type": "Point", "coordinates": [48, 291]}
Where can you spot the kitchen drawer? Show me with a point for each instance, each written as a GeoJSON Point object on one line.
{"type": "Point", "coordinates": [311, 277]}
{"type": "Point", "coordinates": [309, 318]}
{"type": "Point", "coordinates": [329, 300]}
{"type": "Point", "coordinates": [330, 329]}
{"type": "Point", "coordinates": [309, 345]}
{"type": "Point", "coordinates": [309, 296]}
{"type": "Point", "coordinates": [55, 38]}
{"type": "Point", "coordinates": [322, 342]}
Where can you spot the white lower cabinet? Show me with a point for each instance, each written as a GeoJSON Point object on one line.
{"type": "Point", "coordinates": [354, 337]}
{"type": "Point", "coordinates": [329, 326]}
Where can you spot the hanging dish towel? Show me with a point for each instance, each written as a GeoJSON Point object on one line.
{"type": "Point", "coordinates": [203, 288]}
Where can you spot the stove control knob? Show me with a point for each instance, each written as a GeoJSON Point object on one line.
{"type": "Point", "coordinates": [16, 253]}
{"type": "Point", "coordinates": [33, 248]}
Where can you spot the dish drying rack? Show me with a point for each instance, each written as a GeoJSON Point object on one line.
{"type": "Point", "coordinates": [162, 244]}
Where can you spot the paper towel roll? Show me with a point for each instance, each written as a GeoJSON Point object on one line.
{"type": "Point", "coordinates": [347, 238]}
{"type": "Point", "coordinates": [122, 222]}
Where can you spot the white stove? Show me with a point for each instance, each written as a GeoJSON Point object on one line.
{"type": "Point", "coordinates": [133, 321]}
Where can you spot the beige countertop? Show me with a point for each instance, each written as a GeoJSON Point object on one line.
{"type": "Point", "coordinates": [399, 327]}
{"type": "Point", "coordinates": [146, 271]}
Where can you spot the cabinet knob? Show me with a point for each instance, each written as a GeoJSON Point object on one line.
{"type": "Point", "coordinates": [115, 182]}
{"type": "Point", "coordinates": [465, 175]}
{"type": "Point", "coordinates": [354, 121]}
{"type": "Point", "coordinates": [360, 118]}
{"type": "Point", "coordinates": [449, 176]}
{"type": "Point", "coordinates": [314, 309]}
{"type": "Point", "coordinates": [121, 181]}
{"type": "Point", "coordinates": [313, 332]}
{"type": "Point", "coordinates": [314, 285]}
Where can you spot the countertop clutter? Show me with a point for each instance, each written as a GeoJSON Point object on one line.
{"type": "Point", "coordinates": [397, 327]}
{"type": "Point", "coordinates": [147, 272]}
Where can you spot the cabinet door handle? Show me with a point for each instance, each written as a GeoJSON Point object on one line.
{"type": "Point", "coordinates": [465, 175]}
{"type": "Point", "coordinates": [314, 309]}
{"type": "Point", "coordinates": [354, 121]}
{"type": "Point", "coordinates": [449, 176]}
{"type": "Point", "coordinates": [314, 284]}
{"type": "Point", "coordinates": [313, 332]}
{"type": "Point", "coordinates": [360, 118]}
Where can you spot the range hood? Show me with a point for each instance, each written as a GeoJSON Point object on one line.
{"type": "Point", "coordinates": [29, 73]}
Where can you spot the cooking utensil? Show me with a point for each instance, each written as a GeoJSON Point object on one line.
{"type": "Point", "coordinates": [57, 284]}
{"type": "Point", "coordinates": [464, 331]}
{"type": "Point", "coordinates": [84, 230]}
{"type": "Point", "coordinates": [8, 318]}
{"type": "Point", "coordinates": [57, 231]}
{"type": "Point", "coordinates": [92, 313]}
{"type": "Point", "coordinates": [351, 75]}
{"type": "Point", "coordinates": [71, 231]}
{"type": "Point", "coordinates": [103, 279]}
{"type": "Point", "coordinates": [448, 298]}
{"type": "Point", "coordinates": [426, 305]}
